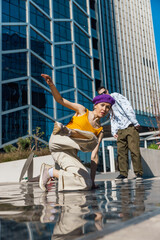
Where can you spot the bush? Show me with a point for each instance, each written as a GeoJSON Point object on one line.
{"type": "Point", "coordinates": [17, 155]}
{"type": "Point", "coordinates": [153, 146]}
{"type": "Point", "coordinates": [35, 142]}
{"type": "Point", "coordinates": [9, 148]}
{"type": "Point", "coordinates": [23, 144]}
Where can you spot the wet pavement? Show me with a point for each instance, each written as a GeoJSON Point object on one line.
{"type": "Point", "coordinates": [28, 213]}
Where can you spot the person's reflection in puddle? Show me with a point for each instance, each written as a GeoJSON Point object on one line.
{"type": "Point", "coordinates": [132, 200]}
{"type": "Point", "coordinates": [50, 208]}
{"type": "Point", "coordinates": [71, 219]}
{"type": "Point", "coordinates": [139, 200]}
{"type": "Point", "coordinates": [69, 214]}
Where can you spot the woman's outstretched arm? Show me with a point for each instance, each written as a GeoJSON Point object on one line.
{"type": "Point", "coordinates": [80, 109]}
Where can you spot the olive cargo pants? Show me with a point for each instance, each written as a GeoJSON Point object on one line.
{"type": "Point", "coordinates": [128, 139]}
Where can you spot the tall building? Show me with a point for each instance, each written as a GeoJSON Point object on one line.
{"type": "Point", "coordinates": [82, 44]}
{"type": "Point", "coordinates": [127, 31]}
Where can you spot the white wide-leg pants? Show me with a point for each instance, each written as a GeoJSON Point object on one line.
{"type": "Point", "coordinates": [72, 175]}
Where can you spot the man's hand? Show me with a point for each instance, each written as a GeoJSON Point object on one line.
{"type": "Point", "coordinates": [137, 127]}
{"type": "Point", "coordinates": [48, 79]}
{"type": "Point", "coordinates": [116, 136]}
{"type": "Point", "coordinates": [158, 144]}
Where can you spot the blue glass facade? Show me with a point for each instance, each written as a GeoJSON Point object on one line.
{"type": "Point", "coordinates": [111, 71]}
{"type": "Point", "coordinates": [42, 36]}
{"type": "Point", "coordinates": [73, 41]}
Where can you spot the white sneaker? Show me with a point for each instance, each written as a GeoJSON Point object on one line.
{"type": "Point", "coordinates": [121, 178]}
{"type": "Point", "coordinates": [139, 177]}
{"type": "Point", "coordinates": [44, 176]}
{"type": "Point", "coordinates": [60, 129]}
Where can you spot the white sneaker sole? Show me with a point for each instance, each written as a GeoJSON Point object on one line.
{"type": "Point", "coordinates": [122, 180]}
{"type": "Point", "coordinates": [41, 185]}
{"type": "Point", "coordinates": [139, 179]}
{"type": "Point", "coordinates": [125, 180]}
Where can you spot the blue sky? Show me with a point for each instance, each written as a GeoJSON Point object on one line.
{"type": "Point", "coordinates": [155, 5]}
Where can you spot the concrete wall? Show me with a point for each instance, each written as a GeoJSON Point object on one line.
{"type": "Point", "coordinates": [10, 171]}
{"type": "Point", "coordinates": [150, 162]}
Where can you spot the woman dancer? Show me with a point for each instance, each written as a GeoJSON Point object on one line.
{"type": "Point", "coordinates": [84, 133]}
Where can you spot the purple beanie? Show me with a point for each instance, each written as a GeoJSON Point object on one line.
{"type": "Point", "coordinates": [103, 98]}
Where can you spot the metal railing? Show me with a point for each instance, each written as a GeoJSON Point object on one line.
{"type": "Point", "coordinates": [145, 137]}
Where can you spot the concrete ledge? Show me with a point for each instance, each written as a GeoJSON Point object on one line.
{"type": "Point", "coordinates": [10, 171]}
{"type": "Point", "coordinates": [150, 162]}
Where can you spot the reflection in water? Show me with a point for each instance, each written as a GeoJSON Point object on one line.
{"type": "Point", "coordinates": [132, 201]}
{"type": "Point", "coordinates": [71, 220]}
{"type": "Point", "coordinates": [28, 213]}
{"type": "Point", "coordinates": [70, 212]}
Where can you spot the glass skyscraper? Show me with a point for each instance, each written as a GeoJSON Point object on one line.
{"type": "Point", "coordinates": [82, 44]}
{"type": "Point", "coordinates": [44, 36]}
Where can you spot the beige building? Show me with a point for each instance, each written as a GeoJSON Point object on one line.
{"type": "Point", "coordinates": [137, 54]}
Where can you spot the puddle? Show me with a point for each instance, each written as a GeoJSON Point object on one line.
{"type": "Point", "coordinates": [28, 213]}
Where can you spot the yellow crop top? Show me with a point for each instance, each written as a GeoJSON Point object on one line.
{"type": "Point", "coordinates": [82, 123]}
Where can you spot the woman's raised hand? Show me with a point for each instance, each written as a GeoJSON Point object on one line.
{"type": "Point", "coordinates": [48, 79]}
